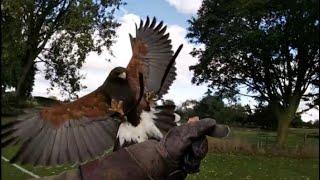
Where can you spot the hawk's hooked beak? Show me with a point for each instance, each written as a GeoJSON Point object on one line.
{"type": "Point", "coordinates": [123, 75]}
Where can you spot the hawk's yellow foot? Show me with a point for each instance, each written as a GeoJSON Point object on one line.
{"type": "Point", "coordinates": [150, 96]}
{"type": "Point", "coordinates": [117, 106]}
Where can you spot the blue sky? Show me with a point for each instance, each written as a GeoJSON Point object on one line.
{"type": "Point", "coordinates": [158, 8]}
{"type": "Point", "coordinates": [174, 13]}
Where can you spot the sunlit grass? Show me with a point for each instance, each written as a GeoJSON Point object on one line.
{"type": "Point", "coordinates": [231, 166]}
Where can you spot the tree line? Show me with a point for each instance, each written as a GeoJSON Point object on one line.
{"type": "Point", "coordinates": [237, 115]}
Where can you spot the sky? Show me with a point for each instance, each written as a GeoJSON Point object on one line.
{"type": "Point", "coordinates": [174, 13]}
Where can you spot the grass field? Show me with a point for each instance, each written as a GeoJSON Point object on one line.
{"type": "Point", "coordinates": [295, 137]}
{"type": "Point", "coordinates": [231, 166]}
{"type": "Point", "coordinates": [219, 165]}
{"type": "Point", "coordinates": [215, 166]}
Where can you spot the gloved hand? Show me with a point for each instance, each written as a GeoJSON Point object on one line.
{"type": "Point", "coordinates": [198, 150]}
{"type": "Point", "coordinates": [185, 146]}
{"type": "Point", "coordinates": [159, 160]}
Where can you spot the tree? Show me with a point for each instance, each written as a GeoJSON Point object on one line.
{"type": "Point", "coordinates": [263, 118]}
{"type": "Point", "coordinates": [58, 33]}
{"type": "Point", "coordinates": [238, 114]}
{"type": "Point", "coordinates": [270, 48]}
{"type": "Point", "coordinates": [297, 122]}
{"type": "Point", "coordinates": [210, 106]}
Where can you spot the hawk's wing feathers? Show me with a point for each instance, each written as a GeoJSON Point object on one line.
{"type": "Point", "coordinates": [80, 133]}
{"type": "Point", "coordinates": [168, 72]}
{"type": "Point", "coordinates": [75, 141]}
{"type": "Point", "coordinates": [152, 56]}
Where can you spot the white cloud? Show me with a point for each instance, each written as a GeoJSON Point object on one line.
{"type": "Point", "coordinates": [182, 89]}
{"type": "Point", "coordinates": [186, 6]}
{"type": "Point", "coordinates": [311, 115]}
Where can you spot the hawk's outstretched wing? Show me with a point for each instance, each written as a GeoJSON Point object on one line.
{"type": "Point", "coordinates": [152, 55]}
{"type": "Point", "coordinates": [69, 133]}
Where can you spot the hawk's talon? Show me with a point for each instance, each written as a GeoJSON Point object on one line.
{"type": "Point", "coordinates": [117, 106]}
{"type": "Point", "coordinates": [150, 96]}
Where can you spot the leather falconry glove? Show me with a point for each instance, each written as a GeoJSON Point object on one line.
{"type": "Point", "coordinates": [195, 153]}
{"type": "Point", "coordinates": [187, 145]}
{"type": "Point", "coordinates": [157, 160]}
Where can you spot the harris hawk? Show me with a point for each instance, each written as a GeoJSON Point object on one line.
{"type": "Point", "coordinates": [153, 57]}
{"type": "Point", "coordinates": [84, 129]}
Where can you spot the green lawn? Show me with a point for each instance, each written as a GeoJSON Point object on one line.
{"type": "Point", "coordinates": [230, 166]}
{"type": "Point", "coordinates": [295, 137]}
{"type": "Point", "coordinates": [12, 173]}
{"type": "Point", "coordinates": [216, 166]}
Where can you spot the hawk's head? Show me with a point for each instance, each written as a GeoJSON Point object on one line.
{"type": "Point", "coordinates": [118, 73]}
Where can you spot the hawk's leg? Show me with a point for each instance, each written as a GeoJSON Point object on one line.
{"type": "Point", "coordinates": [117, 106]}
